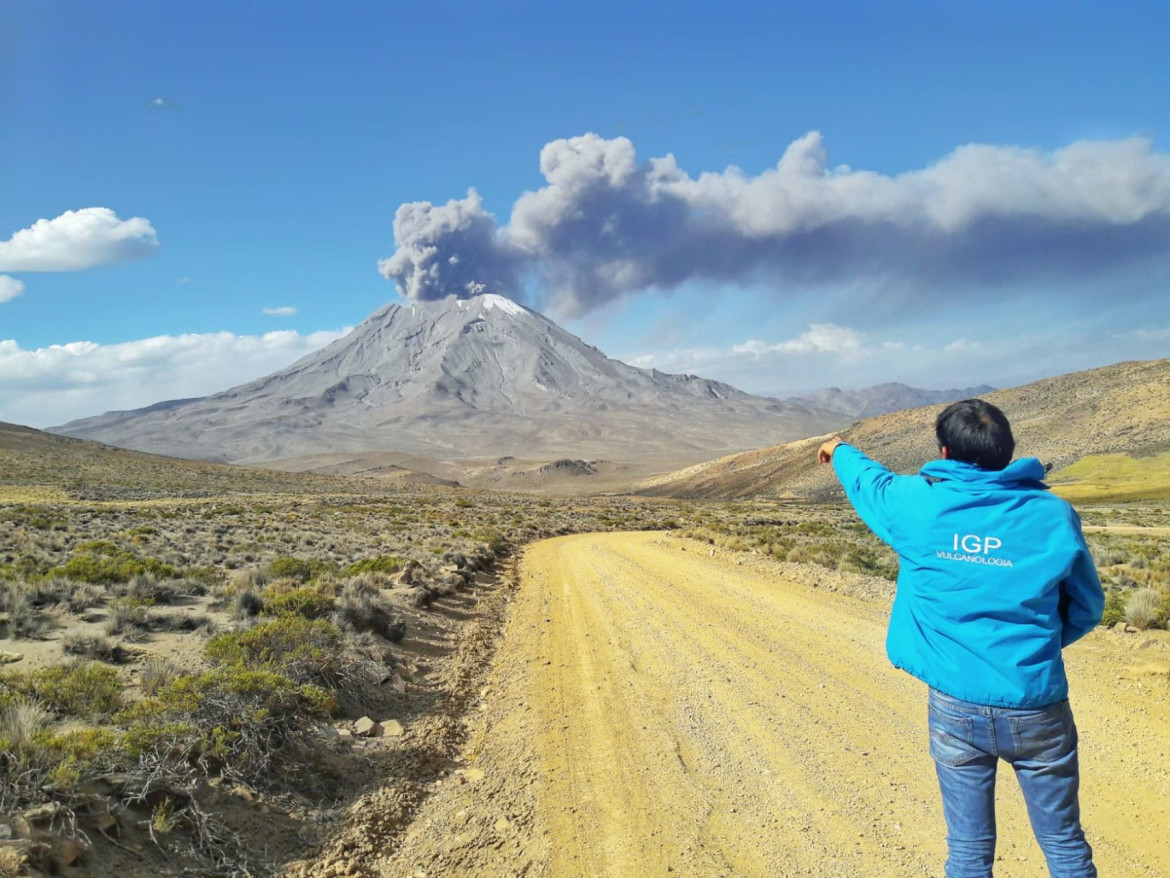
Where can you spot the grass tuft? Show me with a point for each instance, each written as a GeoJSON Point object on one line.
{"type": "Point", "coordinates": [95, 647]}
{"type": "Point", "coordinates": [1143, 608]}
{"type": "Point", "coordinates": [23, 719]}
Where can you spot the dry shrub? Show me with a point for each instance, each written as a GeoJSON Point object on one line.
{"type": "Point", "coordinates": [1142, 608]}
{"type": "Point", "coordinates": [247, 604]}
{"type": "Point", "coordinates": [25, 620]}
{"type": "Point", "coordinates": [361, 607]}
{"type": "Point", "coordinates": [233, 720]}
{"type": "Point", "coordinates": [51, 766]}
{"type": "Point", "coordinates": [155, 674]}
{"type": "Point", "coordinates": [1114, 608]}
{"type": "Point", "coordinates": [421, 595]}
{"type": "Point", "coordinates": [55, 592]}
{"type": "Point", "coordinates": [182, 622]}
{"type": "Point", "coordinates": [86, 690]}
{"type": "Point", "coordinates": [302, 569]}
{"type": "Point", "coordinates": [305, 601]}
{"type": "Point", "coordinates": [129, 620]}
{"type": "Point", "coordinates": [384, 564]}
{"type": "Point", "coordinates": [249, 579]}
{"type": "Point", "coordinates": [306, 650]}
{"type": "Point", "coordinates": [284, 585]}
{"type": "Point", "coordinates": [85, 596]}
{"type": "Point", "coordinates": [96, 647]}
{"type": "Point", "coordinates": [12, 862]}
{"type": "Point", "coordinates": [374, 580]}
{"type": "Point", "coordinates": [22, 719]}
{"type": "Point", "coordinates": [51, 592]}
{"type": "Point", "coordinates": [146, 591]}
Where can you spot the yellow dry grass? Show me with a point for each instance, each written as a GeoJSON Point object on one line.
{"type": "Point", "coordinates": [1114, 478]}
{"type": "Point", "coordinates": [32, 494]}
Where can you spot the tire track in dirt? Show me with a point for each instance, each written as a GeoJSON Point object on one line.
{"type": "Point", "coordinates": [659, 711]}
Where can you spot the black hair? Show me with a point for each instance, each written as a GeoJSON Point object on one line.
{"type": "Point", "coordinates": [976, 432]}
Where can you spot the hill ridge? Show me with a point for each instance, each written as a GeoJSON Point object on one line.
{"type": "Point", "coordinates": [1122, 408]}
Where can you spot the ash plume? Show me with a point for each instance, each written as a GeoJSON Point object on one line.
{"type": "Point", "coordinates": [450, 248]}
{"type": "Point", "coordinates": [606, 224]}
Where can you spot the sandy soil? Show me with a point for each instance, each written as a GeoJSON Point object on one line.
{"type": "Point", "coordinates": [658, 707]}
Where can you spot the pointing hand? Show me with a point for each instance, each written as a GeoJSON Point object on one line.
{"type": "Point", "coordinates": [825, 453]}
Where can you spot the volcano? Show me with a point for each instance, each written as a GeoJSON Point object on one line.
{"type": "Point", "coordinates": [459, 378]}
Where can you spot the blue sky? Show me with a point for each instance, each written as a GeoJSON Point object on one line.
{"type": "Point", "coordinates": [267, 147]}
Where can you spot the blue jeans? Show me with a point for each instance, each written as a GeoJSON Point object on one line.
{"type": "Point", "coordinates": [967, 741]}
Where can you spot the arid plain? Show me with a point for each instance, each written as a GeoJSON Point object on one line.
{"type": "Point", "coordinates": [222, 670]}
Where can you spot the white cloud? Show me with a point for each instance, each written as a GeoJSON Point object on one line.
{"type": "Point", "coordinates": [825, 349]}
{"type": "Point", "coordinates": [59, 383]}
{"type": "Point", "coordinates": [10, 288]}
{"type": "Point", "coordinates": [962, 345]}
{"type": "Point", "coordinates": [821, 338]}
{"type": "Point", "coordinates": [822, 341]}
{"type": "Point", "coordinates": [77, 240]}
{"type": "Point", "coordinates": [690, 360]}
{"type": "Point", "coordinates": [282, 311]}
{"type": "Point", "coordinates": [799, 366]}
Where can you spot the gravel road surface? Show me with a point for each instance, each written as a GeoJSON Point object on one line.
{"type": "Point", "coordinates": [661, 708]}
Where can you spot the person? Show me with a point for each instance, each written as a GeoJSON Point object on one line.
{"type": "Point", "coordinates": [994, 581]}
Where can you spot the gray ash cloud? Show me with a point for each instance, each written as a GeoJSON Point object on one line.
{"type": "Point", "coordinates": [606, 224]}
{"type": "Point", "coordinates": [453, 248]}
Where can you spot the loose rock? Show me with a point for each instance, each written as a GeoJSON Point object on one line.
{"type": "Point", "coordinates": [366, 728]}
{"type": "Point", "coordinates": [391, 728]}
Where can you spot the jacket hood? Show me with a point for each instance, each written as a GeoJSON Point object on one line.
{"type": "Point", "coordinates": [1027, 471]}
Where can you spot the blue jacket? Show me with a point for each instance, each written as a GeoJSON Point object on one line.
{"type": "Point", "coordinates": [994, 578]}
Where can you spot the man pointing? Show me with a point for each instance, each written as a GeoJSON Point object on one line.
{"type": "Point", "coordinates": [994, 580]}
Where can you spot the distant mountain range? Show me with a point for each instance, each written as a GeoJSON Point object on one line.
{"type": "Point", "coordinates": [882, 398]}
{"type": "Point", "coordinates": [460, 378]}
{"type": "Point", "coordinates": [1113, 423]}
{"type": "Point", "coordinates": [1120, 409]}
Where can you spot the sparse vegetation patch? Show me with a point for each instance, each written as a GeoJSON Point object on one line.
{"type": "Point", "coordinates": [826, 535]}
{"type": "Point", "coordinates": [186, 644]}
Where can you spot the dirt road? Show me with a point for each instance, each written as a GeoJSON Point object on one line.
{"type": "Point", "coordinates": [658, 710]}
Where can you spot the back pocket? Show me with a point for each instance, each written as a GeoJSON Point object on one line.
{"type": "Point", "coordinates": [948, 740]}
{"type": "Point", "coordinates": [1046, 735]}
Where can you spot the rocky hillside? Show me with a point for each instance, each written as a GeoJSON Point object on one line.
{"type": "Point", "coordinates": [1122, 408]}
{"type": "Point", "coordinates": [883, 398]}
{"type": "Point", "coordinates": [461, 378]}
{"type": "Point", "coordinates": [31, 459]}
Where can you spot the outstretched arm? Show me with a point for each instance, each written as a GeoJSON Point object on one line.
{"type": "Point", "coordinates": [868, 485]}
